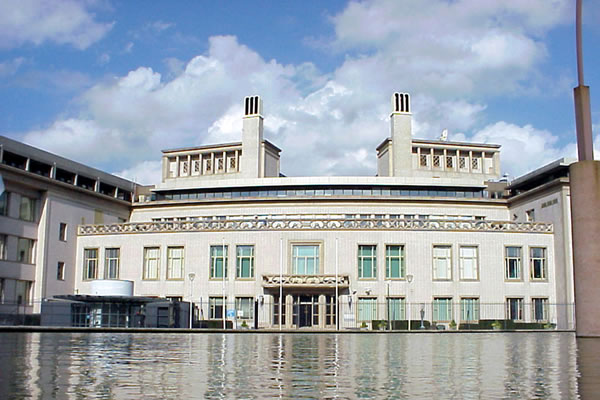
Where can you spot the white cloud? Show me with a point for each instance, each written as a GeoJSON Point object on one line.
{"type": "Point", "coordinates": [146, 172]}
{"type": "Point", "coordinates": [128, 47]}
{"type": "Point", "coordinates": [104, 59]}
{"type": "Point", "coordinates": [37, 21]}
{"type": "Point", "coordinates": [11, 67]}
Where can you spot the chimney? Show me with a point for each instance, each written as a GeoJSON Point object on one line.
{"type": "Point", "coordinates": [252, 138]}
{"type": "Point", "coordinates": [400, 120]}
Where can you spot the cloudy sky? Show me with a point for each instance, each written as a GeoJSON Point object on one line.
{"type": "Point", "coordinates": [112, 83]}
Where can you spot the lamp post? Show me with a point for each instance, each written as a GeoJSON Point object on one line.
{"type": "Point", "coordinates": [409, 279]}
{"type": "Point", "coordinates": [191, 275]}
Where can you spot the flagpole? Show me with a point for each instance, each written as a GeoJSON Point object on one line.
{"type": "Point", "coordinates": [337, 309]}
{"type": "Point", "coordinates": [224, 298]}
{"type": "Point", "coordinates": [280, 279]}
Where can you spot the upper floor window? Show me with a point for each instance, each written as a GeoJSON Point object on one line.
{"type": "Point", "coordinates": [530, 215]}
{"type": "Point", "coordinates": [2, 247]}
{"type": "Point", "coordinates": [90, 264]}
{"type": "Point", "coordinates": [394, 262]}
{"type": "Point", "coordinates": [537, 259]}
{"type": "Point", "coordinates": [245, 262]}
{"type": "Point", "coordinates": [62, 232]}
{"type": "Point", "coordinates": [151, 262]}
{"type": "Point", "coordinates": [4, 203]}
{"type": "Point", "coordinates": [111, 266]}
{"type": "Point", "coordinates": [25, 250]}
{"type": "Point", "coordinates": [27, 209]}
{"type": "Point", "coordinates": [23, 292]}
{"type": "Point", "coordinates": [442, 262]}
{"type": "Point", "coordinates": [468, 263]}
{"type": "Point", "coordinates": [218, 261]}
{"type": "Point", "coordinates": [305, 259]}
{"type": "Point", "coordinates": [512, 261]}
{"type": "Point", "coordinates": [367, 261]}
{"type": "Point", "coordinates": [175, 262]}
{"type": "Point", "coordinates": [60, 271]}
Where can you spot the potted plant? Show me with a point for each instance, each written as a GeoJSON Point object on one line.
{"type": "Point", "coordinates": [452, 325]}
{"type": "Point", "coordinates": [496, 325]}
{"type": "Point", "coordinates": [244, 325]}
{"type": "Point", "coordinates": [363, 325]}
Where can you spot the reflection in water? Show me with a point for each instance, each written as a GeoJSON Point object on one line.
{"type": "Point", "coordinates": [295, 366]}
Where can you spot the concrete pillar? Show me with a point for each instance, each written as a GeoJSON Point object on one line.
{"type": "Point", "coordinates": [401, 127]}
{"type": "Point", "coordinates": [585, 214]}
{"type": "Point", "coordinates": [252, 137]}
{"type": "Point", "coordinates": [322, 310]}
{"type": "Point", "coordinates": [289, 311]}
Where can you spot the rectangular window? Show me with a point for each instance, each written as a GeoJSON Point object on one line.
{"type": "Point", "coordinates": [449, 162]}
{"type": "Point", "coordinates": [394, 262]}
{"type": "Point", "coordinates": [27, 208]}
{"type": "Point", "coordinates": [175, 262]}
{"type": "Point", "coordinates": [305, 259]}
{"type": "Point", "coordinates": [151, 263]}
{"type": "Point", "coordinates": [245, 262]}
{"type": "Point", "coordinates": [537, 259]}
{"type": "Point", "coordinates": [216, 307]}
{"type": "Point", "coordinates": [60, 271]}
{"type": "Point", "coordinates": [111, 263]}
{"type": "Point", "coordinates": [468, 263]}
{"type": "Point", "coordinates": [540, 309]}
{"type": "Point", "coordinates": [367, 261]}
{"type": "Point", "coordinates": [530, 215]}
{"type": "Point", "coordinates": [469, 309]}
{"type": "Point", "coordinates": [512, 261]}
{"type": "Point", "coordinates": [62, 232]}
{"type": "Point", "coordinates": [218, 261]}
{"type": "Point", "coordinates": [2, 247]}
{"type": "Point", "coordinates": [23, 292]}
{"type": "Point", "coordinates": [244, 307]}
{"type": "Point", "coordinates": [90, 264]}
{"type": "Point", "coordinates": [396, 308]}
{"type": "Point", "coordinates": [442, 309]}
{"type": "Point", "coordinates": [2, 290]}
{"type": "Point", "coordinates": [367, 308]}
{"type": "Point", "coordinates": [25, 250]}
{"type": "Point", "coordinates": [423, 160]}
{"type": "Point", "coordinates": [514, 309]}
{"type": "Point", "coordinates": [4, 203]}
{"type": "Point", "coordinates": [442, 263]}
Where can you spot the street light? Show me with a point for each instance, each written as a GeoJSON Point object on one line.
{"type": "Point", "coordinates": [409, 279]}
{"type": "Point", "coordinates": [191, 275]}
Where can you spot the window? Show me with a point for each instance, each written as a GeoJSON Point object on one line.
{"type": "Point", "coordinates": [60, 271]}
{"type": "Point", "coordinates": [244, 307]}
{"type": "Point", "coordinates": [218, 259]}
{"type": "Point", "coordinates": [216, 307]}
{"type": "Point", "coordinates": [468, 263]}
{"type": "Point", "coordinates": [367, 261]}
{"type": "Point", "coordinates": [442, 309]}
{"type": "Point", "coordinates": [305, 259]}
{"type": "Point", "coordinates": [151, 262]}
{"type": "Point", "coordinates": [530, 215]}
{"type": "Point", "coordinates": [540, 309]}
{"type": "Point", "coordinates": [437, 161]}
{"type": "Point", "coordinates": [62, 232]}
{"type": "Point", "coordinates": [23, 292]}
{"type": "Point", "coordinates": [462, 162]}
{"type": "Point", "coordinates": [514, 309]}
{"type": "Point", "coordinates": [367, 308]}
{"type": "Point", "coordinates": [537, 259]}
{"type": "Point", "coordinates": [90, 264]}
{"type": "Point", "coordinates": [245, 262]}
{"type": "Point", "coordinates": [394, 262]}
{"type": "Point", "coordinates": [25, 251]}
{"type": "Point", "coordinates": [4, 203]}
{"type": "Point", "coordinates": [111, 263]}
{"type": "Point", "coordinates": [2, 290]}
{"type": "Point", "coordinates": [2, 247]}
{"type": "Point", "coordinates": [423, 160]}
{"type": "Point", "coordinates": [175, 262]}
{"type": "Point", "coordinates": [396, 308]}
{"type": "Point", "coordinates": [442, 263]}
{"type": "Point", "coordinates": [469, 309]}
{"type": "Point", "coordinates": [27, 209]}
{"type": "Point", "coordinates": [449, 162]}
{"type": "Point", "coordinates": [512, 260]}
{"type": "Point", "coordinates": [475, 163]}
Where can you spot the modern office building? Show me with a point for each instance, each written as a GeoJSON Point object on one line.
{"type": "Point", "coordinates": [438, 235]}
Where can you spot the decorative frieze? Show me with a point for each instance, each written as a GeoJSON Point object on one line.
{"type": "Point", "coordinates": [258, 224]}
{"type": "Point", "coordinates": [313, 281]}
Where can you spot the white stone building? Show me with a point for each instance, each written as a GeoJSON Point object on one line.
{"type": "Point", "coordinates": [436, 235]}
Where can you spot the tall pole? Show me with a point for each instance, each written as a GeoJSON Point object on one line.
{"type": "Point", "coordinates": [191, 275]}
{"type": "Point", "coordinates": [337, 309]}
{"type": "Point", "coordinates": [224, 298]}
{"type": "Point", "coordinates": [280, 279]}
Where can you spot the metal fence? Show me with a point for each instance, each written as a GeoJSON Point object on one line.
{"type": "Point", "coordinates": [362, 314]}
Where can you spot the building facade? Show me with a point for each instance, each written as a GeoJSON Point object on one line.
{"type": "Point", "coordinates": [435, 236]}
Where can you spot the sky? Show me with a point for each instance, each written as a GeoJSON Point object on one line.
{"type": "Point", "coordinates": [112, 83]}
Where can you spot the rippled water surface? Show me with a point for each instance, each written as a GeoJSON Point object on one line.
{"type": "Point", "coordinates": [292, 366]}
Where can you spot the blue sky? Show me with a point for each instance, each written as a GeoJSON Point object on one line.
{"type": "Point", "coordinates": [111, 83]}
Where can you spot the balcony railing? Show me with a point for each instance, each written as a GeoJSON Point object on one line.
{"type": "Point", "coordinates": [304, 281]}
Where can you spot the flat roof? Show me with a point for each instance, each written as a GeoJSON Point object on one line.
{"type": "Point", "coordinates": [540, 174]}
{"type": "Point", "coordinates": [215, 146]}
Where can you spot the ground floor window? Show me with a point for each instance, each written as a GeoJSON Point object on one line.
{"type": "Point", "coordinates": [244, 307]}
{"type": "Point", "coordinates": [276, 311]}
{"type": "Point", "coordinates": [367, 308]}
{"type": "Point", "coordinates": [330, 306]}
{"type": "Point", "coordinates": [469, 309]}
{"type": "Point", "coordinates": [216, 307]}
{"type": "Point", "coordinates": [442, 309]}
{"type": "Point", "coordinates": [514, 309]}
{"type": "Point", "coordinates": [540, 309]}
{"type": "Point", "coordinates": [396, 307]}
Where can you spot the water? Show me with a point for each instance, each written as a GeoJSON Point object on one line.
{"type": "Point", "coordinates": [295, 366]}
